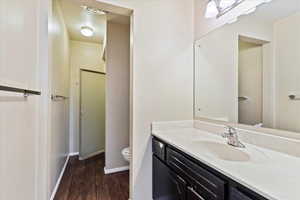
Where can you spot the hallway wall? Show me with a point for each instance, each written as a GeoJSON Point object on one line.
{"type": "Point", "coordinates": [117, 93]}
{"type": "Point", "coordinates": [83, 55]}
{"type": "Point", "coordinates": [59, 85]}
{"type": "Point", "coordinates": [162, 76]}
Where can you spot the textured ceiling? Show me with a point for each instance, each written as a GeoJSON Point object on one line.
{"type": "Point", "coordinates": [76, 17]}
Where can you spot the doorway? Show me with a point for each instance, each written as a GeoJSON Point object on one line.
{"type": "Point", "coordinates": [250, 78]}
{"type": "Point", "coordinates": [98, 44]}
{"type": "Point", "coordinates": [92, 113]}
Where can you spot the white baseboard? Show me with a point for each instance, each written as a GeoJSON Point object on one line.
{"type": "Point", "coordinates": [91, 155]}
{"type": "Point", "coordinates": [115, 170]}
{"type": "Point", "coordinates": [74, 154]}
{"type": "Point", "coordinates": [59, 178]}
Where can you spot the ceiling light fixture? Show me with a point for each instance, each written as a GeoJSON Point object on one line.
{"type": "Point", "coordinates": [87, 31]}
{"type": "Point", "coordinates": [92, 10]}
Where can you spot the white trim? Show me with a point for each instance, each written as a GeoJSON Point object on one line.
{"type": "Point", "coordinates": [74, 154]}
{"type": "Point", "coordinates": [92, 154]}
{"type": "Point", "coordinates": [115, 170]}
{"type": "Point", "coordinates": [59, 178]}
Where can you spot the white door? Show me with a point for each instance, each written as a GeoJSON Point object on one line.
{"type": "Point", "coordinates": [21, 49]}
{"type": "Point", "coordinates": [19, 46]}
{"type": "Point", "coordinates": [250, 83]}
{"type": "Point", "coordinates": [92, 116]}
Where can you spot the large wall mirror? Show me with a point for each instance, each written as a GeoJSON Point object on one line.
{"type": "Point", "coordinates": [248, 72]}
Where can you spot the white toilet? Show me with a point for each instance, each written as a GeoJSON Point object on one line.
{"type": "Point", "coordinates": [126, 154]}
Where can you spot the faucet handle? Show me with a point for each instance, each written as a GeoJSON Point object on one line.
{"type": "Point", "coordinates": [232, 136]}
{"type": "Point", "coordinates": [225, 135]}
{"type": "Point", "coordinates": [230, 131]}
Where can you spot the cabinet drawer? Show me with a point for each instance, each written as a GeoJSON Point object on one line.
{"type": "Point", "coordinates": [206, 184]}
{"type": "Point", "coordinates": [159, 148]}
{"type": "Point", "coordinates": [235, 194]}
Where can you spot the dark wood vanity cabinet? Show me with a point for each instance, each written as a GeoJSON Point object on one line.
{"type": "Point", "coordinates": [237, 195]}
{"type": "Point", "coordinates": [193, 195]}
{"type": "Point", "coordinates": [167, 185]}
{"type": "Point", "coordinates": [177, 176]}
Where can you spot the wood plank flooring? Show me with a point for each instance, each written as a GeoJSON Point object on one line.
{"type": "Point", "coordinates": [85, 180]}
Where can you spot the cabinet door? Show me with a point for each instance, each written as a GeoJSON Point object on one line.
{"type": "Point", "coordinates": [166, 184]}
{"type": "Point", "coordinates": [193, 195]}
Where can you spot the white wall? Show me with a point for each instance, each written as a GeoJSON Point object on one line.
{"type": "Point", "coordinates": [83, 55]}
{"type": "Point", "coordinates": [117, 93]}
{"type": "Point", "coordinates": [215, 79]}
{"type": "Point", "coordinates": [162, 76]}
{"type": "Point", "coordinates": [59, 66]}
{"type": "Point", "coordinates": [287, 50]}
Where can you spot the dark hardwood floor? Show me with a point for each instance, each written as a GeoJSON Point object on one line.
{"type": "Point", "coordinates": [85, 180]}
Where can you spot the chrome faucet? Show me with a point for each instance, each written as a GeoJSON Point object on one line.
{"type": "Point", "coordinates": [232, 136]}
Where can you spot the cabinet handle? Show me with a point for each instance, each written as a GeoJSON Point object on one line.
{"type": "Point", "coordinates": [195, 193]}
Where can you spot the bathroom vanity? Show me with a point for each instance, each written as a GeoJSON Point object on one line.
{"type": "Point", "coordinates": [196, 164]}
{"type": "Point", "coordinates": [177, 176]}
{"type": "Point", "coordinates": [246, 76]}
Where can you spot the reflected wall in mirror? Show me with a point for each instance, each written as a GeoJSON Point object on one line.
{"type": "Point", "coordinates": [248, 72]}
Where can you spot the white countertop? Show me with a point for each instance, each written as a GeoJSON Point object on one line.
{"type": "Point", "coordinates": [269, 173]}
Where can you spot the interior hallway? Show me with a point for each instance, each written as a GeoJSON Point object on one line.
{"type": "Point", "coordinates": [85, 180]}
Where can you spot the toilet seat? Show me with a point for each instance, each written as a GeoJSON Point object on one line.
{"type": "Point", "coordinates": [126, 154]}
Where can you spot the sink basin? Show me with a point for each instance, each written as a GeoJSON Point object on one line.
{"type": "Point", "coordinates": [223, 151]}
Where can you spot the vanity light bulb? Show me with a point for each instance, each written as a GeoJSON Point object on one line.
{"type": "Point", "coordinates": [250, 11]}
{"type": "Point", "coordinates": [227, 3]}
{"type": "Point", "coordinates": [211, 9]}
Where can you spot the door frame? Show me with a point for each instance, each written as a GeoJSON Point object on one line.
{"type": "Point", "coordinates": [261, 46]}
{"type": "Point", "coordinates": [45, 108]}
{"type": "Point", "coordinates": [80, 97]}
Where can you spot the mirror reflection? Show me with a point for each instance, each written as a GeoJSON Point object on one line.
{"type": "Point", "coordinates": [248, 72]}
